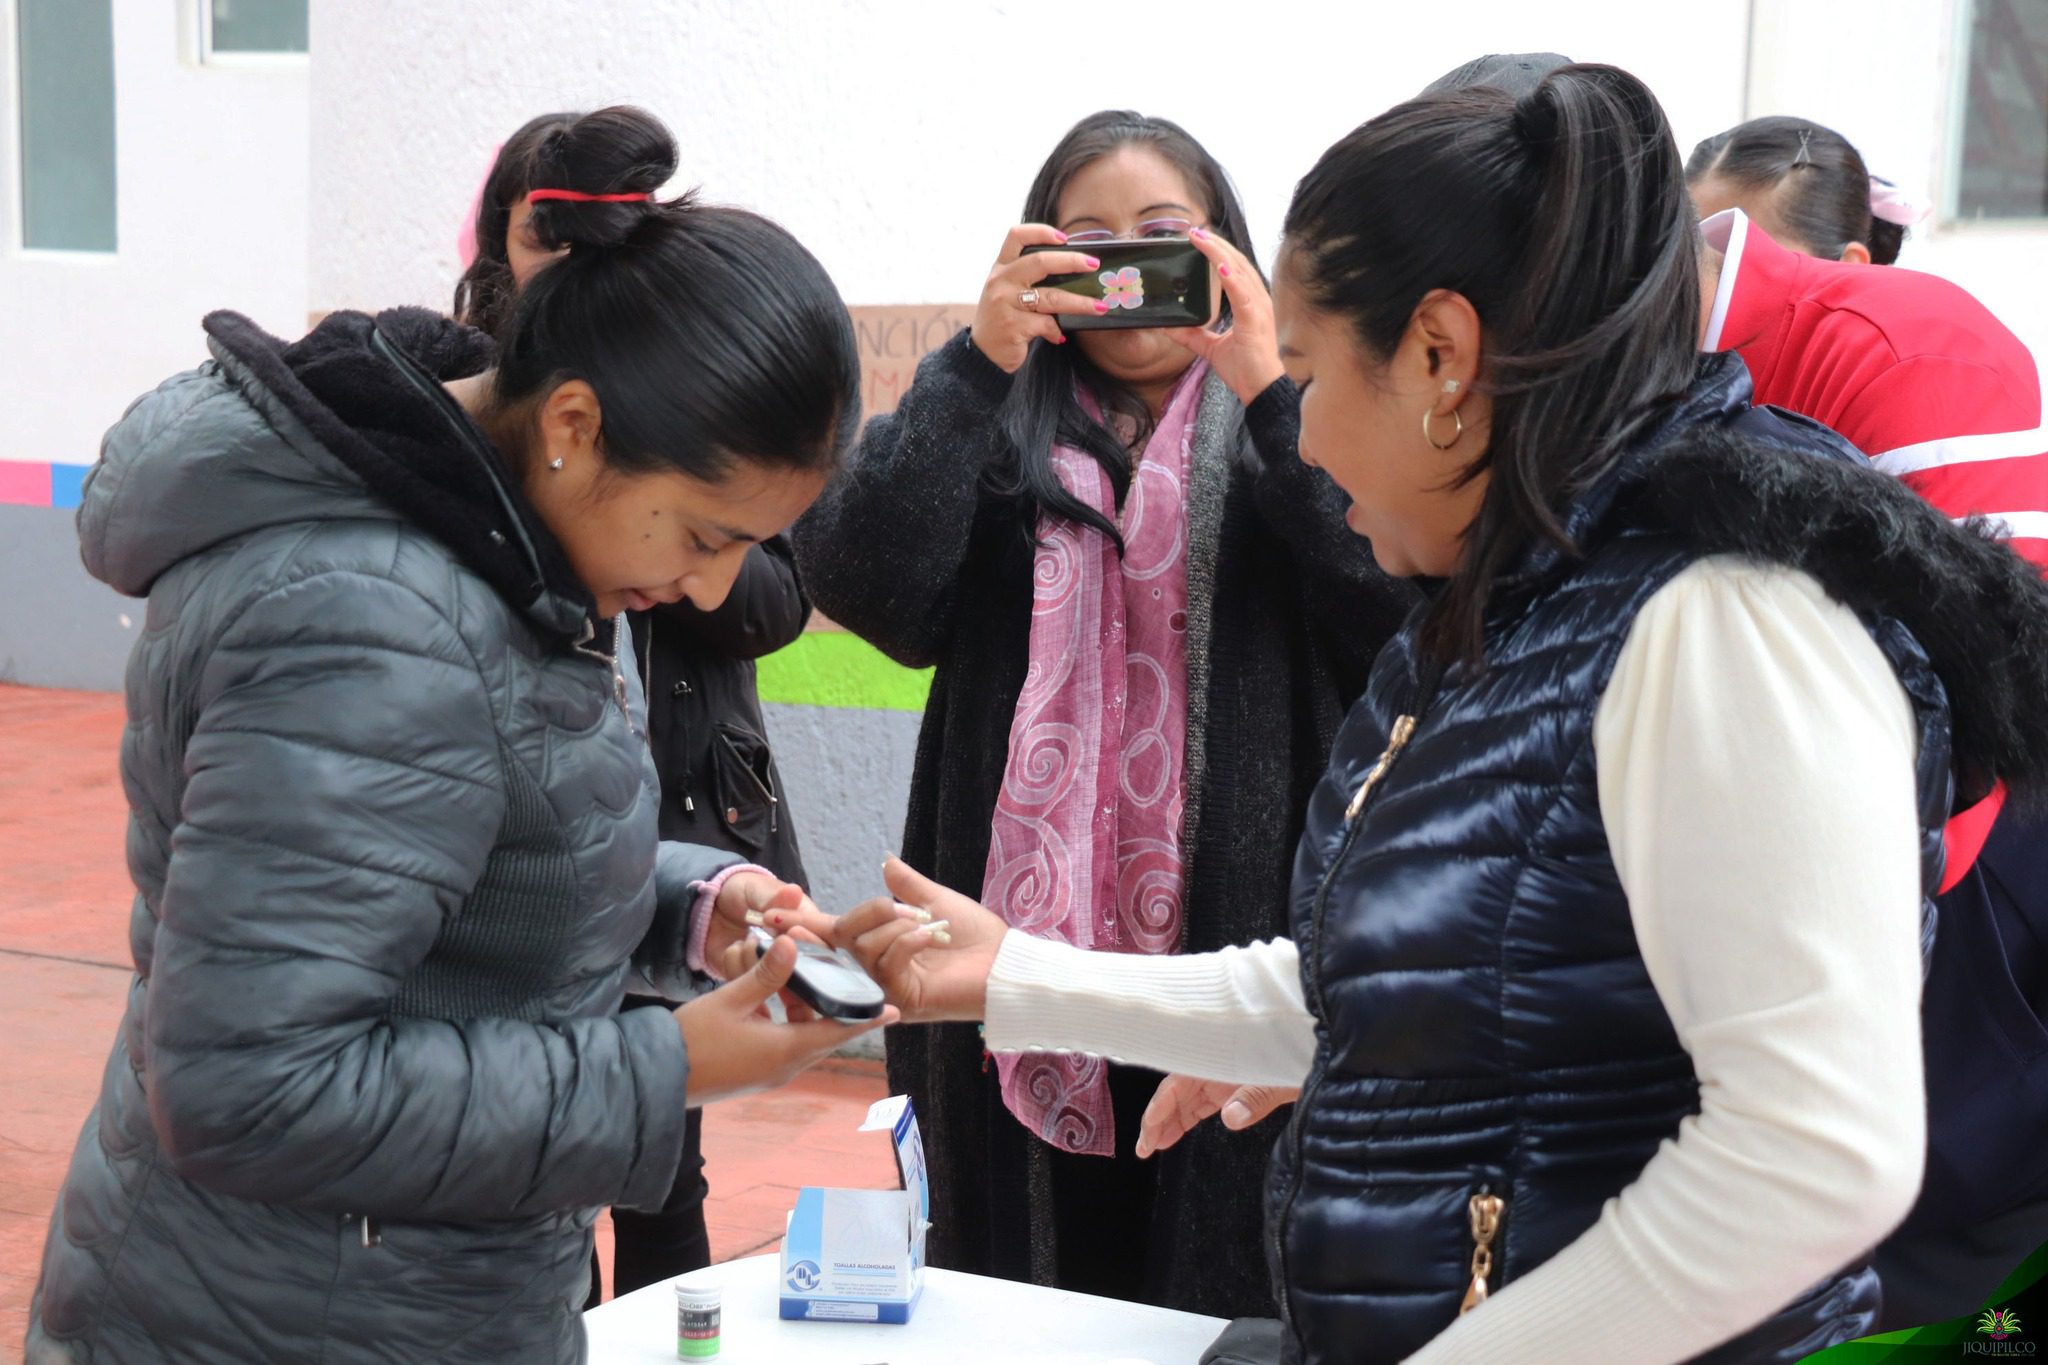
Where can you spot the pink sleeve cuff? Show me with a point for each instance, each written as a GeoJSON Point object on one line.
{"type": "Point", "coordinates": [700, 917]}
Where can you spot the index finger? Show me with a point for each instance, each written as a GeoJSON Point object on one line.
{"type": "Point", "coordinates": [869, 914]}
{"type": "Point", "coordinates": [1028, 234]}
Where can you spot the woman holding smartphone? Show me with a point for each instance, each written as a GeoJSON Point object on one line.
{"type": "Point", "coordinates": [393, 817]}
{"type": "Point", "coordinates": [1607, 926]}
{"type": "Point", "coordinates": [1147, 616]}
{"type": "Point", "coordinates": [719, 782]}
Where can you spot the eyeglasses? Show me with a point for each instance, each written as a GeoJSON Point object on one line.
{"type": "Point", "coordinates": [1152, 228]}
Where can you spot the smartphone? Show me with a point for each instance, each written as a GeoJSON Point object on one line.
{"type": "Point", "coordinates": [829, 980]}
{"type": "Point", "coordinates": [1155, 282]}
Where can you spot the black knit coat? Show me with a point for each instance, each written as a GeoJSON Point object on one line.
{"type": "Point", "coordinates": [917, 548]}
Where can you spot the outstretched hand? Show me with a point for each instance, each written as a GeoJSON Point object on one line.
{"type": "Point", "coordinates": [1183, 1102]}
{"type": "Point", "coordinates": [735, 1048]}
{"type": "Point", "coordinates": [930, 949]}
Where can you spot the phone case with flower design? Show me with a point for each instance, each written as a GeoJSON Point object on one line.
{"type": "Point", "coordinates": [1159, 282]}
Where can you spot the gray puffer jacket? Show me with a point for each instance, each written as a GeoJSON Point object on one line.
{"type": "Point", "coordinates": [393, 840]}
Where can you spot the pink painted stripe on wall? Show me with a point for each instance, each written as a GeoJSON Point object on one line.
{"type": "Point", "coordinates": [24, 484]}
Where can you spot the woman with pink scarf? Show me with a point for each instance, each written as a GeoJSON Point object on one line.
{"type": "Point", "coordinates": [1146, 616]}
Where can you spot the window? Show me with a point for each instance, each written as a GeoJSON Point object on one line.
{"type": "Point", "coordinates": [2002, 171]}
{"type": "Point", "coordinates": [252, 28]}
{"type": "Point", "coordinates": [65, 51]}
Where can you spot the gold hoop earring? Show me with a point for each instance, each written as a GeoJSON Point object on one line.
{"type": "Point", "coordinates": [1429, 415]}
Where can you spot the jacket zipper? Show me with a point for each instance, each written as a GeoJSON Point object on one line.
{"type": "Point", "coordinates": [1404, 730]}
{"type": "Point", "coordinates": [611, 661]}
{"type": "Point", "coordinates": [371, 1237]}
{"type": "Point", "coordinates": [681, 689]}
{"type": "Point", "coordinates": [1484, 1210]}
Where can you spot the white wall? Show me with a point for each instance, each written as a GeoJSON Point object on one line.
{"type": "Point", "coordinates": [1889, 81]}
{"type": "Point", "coordinates": [212, 190]}
{"type": "Point", "coordinates": [897, 139]}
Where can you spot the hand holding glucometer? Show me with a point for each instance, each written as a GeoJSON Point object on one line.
{"type": "Point", "coordinates": [828, 980]}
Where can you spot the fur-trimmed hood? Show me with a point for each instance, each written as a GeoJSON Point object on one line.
{"type": "Point", "coordinates": [351, 422]}
{"type": "Point", "coordinates": [1758, 486]}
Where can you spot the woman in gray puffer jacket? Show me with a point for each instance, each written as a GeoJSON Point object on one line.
{"type": "Point", "coordinates": [393, 827]}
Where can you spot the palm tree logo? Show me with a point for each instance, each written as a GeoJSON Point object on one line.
{"type": "Point", "coordinates": [1999, 1323]}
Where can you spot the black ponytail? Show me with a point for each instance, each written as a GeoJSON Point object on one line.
{"type": "Point", "coordinates": [1041, 408]}
{"type": "Point", "coordinates": [708, 333]}
{"type": "Point", "coordinates": [1818, 184]}
{"type": "Point", "coordinates": [1562, 216]}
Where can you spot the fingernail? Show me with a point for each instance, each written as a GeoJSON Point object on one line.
{"type": "Point", "coordinates": [1061, 235]}
{"type": "Point", "coordinates": [1198, 232]}
{"type": "Point", "coordinates": [940, 936]}
{"type": "Point", "coordinates": [756, 918]}
{"type": "Point", "coordinates": [1236, 1115]}
{"type": "Point", "coordinates": [913, 912]}
{"type": "Point", "coordinates": [1144, 1149]}
{"type": "Point", "coordinates": [1223, 270]}
{"type": "Point", "coordinates": [1093, 262]}
{"type": "Point", "coordinates": [1102, 305]}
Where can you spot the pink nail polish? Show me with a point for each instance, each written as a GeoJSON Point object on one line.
{"type": "Point", "coordinates": [1093, 262]}
{"type": "Point", "coordinates": [1102, 305]}
{"type": "Point", "coordinates": [1200, 232]}
{"type": "Point", "coordinates": [1061, 235]}
{"type": "Point", "coordinates": [1223, 270]}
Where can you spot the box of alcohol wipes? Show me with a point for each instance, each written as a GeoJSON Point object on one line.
{"type": "Point", "coordinates": [858, 1255]}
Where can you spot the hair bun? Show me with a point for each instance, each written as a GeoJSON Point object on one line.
{"type": "Point", "coordinates": [620, 150]}
{"type": "Point", "coordinates": [1535, 116]}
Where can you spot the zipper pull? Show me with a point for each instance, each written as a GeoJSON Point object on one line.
{"type": "Point", "coordinates": [1485, 1211]}
{"type": "Point", "coordinates": [1404, 729]}
{"type": "Point", "coordinates": [371, 1237]}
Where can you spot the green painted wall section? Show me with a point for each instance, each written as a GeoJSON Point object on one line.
{"type": "Point", "coordinates": [830, 668]}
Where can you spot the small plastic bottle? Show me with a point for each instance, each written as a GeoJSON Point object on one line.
{"type": "Point", "coordinates": [699, 1329]}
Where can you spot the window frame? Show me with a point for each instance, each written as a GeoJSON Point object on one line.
{"type": "Point", "coordinates": [199, 28]}
{"type": "Point", "coordinates": [15, 206]}
{"type": "Point", "coordinates": [1949, 214]}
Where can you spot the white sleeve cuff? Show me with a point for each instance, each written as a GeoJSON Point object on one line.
{"type": "Point", "coordinates": [1234, 1015]}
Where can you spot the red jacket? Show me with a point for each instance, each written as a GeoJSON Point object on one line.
{"type": "Point", "coordinates": [1915, 372]}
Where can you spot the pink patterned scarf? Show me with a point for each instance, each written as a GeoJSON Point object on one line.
{"type": "Point", "coordinates": [1085, 846]}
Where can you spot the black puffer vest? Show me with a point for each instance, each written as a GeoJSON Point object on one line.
{"type": "Point", "coordinates": [1487, 1028]}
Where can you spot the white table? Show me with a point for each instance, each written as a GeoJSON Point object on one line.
{"type": "Point", "coordinates": [961, 1318]}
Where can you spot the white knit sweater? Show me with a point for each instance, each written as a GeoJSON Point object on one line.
{"type": "Point", "coordinates": [1756, 770]}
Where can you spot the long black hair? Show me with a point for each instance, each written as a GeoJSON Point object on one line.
{"type": "Point", "coordinates": [709, 334]}
{"type": "Point", "coordinates": [485, 293]}
{"type": "Point", "coordinates": [1818, 184]}
{"type": "Point", "coordinates": [1041, 407]}
{"type": "Point", "coordinates": [1562, 216]}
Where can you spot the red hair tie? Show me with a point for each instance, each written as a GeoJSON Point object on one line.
{"type": "Point", "coordinates": [579, 197]}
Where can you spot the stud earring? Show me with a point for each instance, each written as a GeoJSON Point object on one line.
{"type": "Point", "coordinates": [1450, 386]}
{"type": "Point", "coordinates": [555, 463]}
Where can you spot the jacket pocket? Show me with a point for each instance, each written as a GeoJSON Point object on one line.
{"type": "Point", "coordinates": [743, 783]}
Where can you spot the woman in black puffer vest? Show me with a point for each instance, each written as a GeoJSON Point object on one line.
{"type": "Point", "coordinates": [1611, 907]}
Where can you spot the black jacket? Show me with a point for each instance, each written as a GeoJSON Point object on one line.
{"type": "Point", "coordinates": [1486, 1025]}
{"type": "Point", "coordinates": [719, 784]}
{"type": "Point", "coordinates": [916, 548]}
